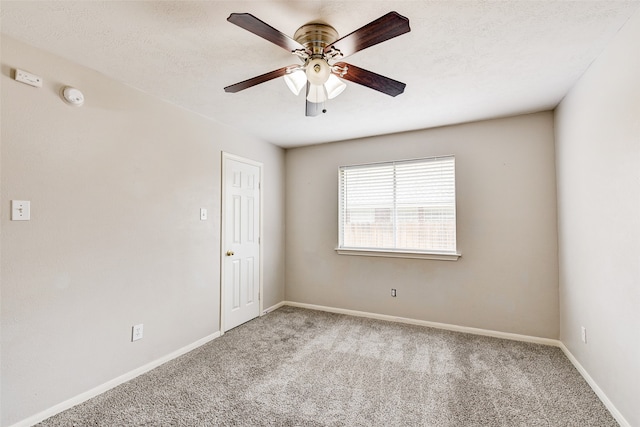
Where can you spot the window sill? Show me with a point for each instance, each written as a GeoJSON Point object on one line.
{"type": "Point", "coordinates": [441, 256]}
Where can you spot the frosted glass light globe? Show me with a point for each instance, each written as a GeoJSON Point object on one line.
{"type": "Point", "coordinates": [317, 94]}
{"type": "Point", "coordinates": [334, 86]}
{"type": "Point", "coordinates": [318, 71]}
{"type": "Point", "coordinates": [296, 81]}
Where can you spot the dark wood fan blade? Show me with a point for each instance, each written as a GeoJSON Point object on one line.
{"type": "Point", "coordinates": [264, 30]}
{"type": "Point", "coordinates": [384, 28]}
{"type": "Point", "coordinates": [256, 80]}
{"type": "Point", "coordinates": [312, 108]}
{"type": "Point", "coordinates": [372, 80]}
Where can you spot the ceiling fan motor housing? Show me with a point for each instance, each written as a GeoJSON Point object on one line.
{"type": "Point", "coordinates": [315, 37]}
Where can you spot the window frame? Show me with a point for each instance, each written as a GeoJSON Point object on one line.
{"type": "Point", "coordinates": [432, 254]}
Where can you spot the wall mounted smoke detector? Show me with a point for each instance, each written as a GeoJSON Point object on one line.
{"type": "Point", "coordinates": [72, 96]}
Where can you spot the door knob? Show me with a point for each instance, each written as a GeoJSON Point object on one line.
{"type": "Point", "coordinates": [229, 253]}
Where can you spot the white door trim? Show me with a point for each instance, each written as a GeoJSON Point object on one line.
{"type": "Point", "coordinates": [230, 156]}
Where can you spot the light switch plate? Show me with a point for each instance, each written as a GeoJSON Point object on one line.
{"type": "Point", "coordinates": [20, 210]}
{"type": "Point", "coordinates": [203, 214]}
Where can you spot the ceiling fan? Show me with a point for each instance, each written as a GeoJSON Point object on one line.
{"type": "Point", "coordinates": [318, 46]}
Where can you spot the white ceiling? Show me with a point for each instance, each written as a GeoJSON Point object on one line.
{"type": "Point", "coordinates": [462, 60]}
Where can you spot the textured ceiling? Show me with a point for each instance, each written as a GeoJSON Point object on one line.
{"type": "Point", "coordinates": [462, 60]}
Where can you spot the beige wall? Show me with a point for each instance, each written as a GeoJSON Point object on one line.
{"type": "Point", "coordinates": [507, 277]}
{"type": "Point", "coordinates": [598, 168]}
{"type": "Point", "coordinates": [115, 237]}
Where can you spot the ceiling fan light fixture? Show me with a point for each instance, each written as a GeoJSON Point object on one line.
{"type": "Point", "coordinates": [317, 93]}
{"type": "Point", "coordinates": [334, 86]}
{"type": "Point", "coordinates": [319, 46]}
{"type": "Point", "coordinates": [318, 71]}
{"type": "Point", "coordinates": [296, 81]}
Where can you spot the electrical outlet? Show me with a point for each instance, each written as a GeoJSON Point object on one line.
{"type": "Point", "coordinates": [393, 293]}
{"type": "Point", "coordinates": [136, 332]}
{"type": "Point", "coordinates": [584, 335]}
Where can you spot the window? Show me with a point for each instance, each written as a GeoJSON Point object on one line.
{"type": "Point", "coordinates": [400, 209]}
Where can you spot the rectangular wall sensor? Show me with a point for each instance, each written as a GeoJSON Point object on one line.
{"type": "Point", "coordinates": [28, 78]}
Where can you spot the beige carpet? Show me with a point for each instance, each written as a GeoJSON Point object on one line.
{"type": "Point", "coordinates": [297, 367]}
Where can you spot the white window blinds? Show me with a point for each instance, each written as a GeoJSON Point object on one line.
{"type": "Point", "coordinates": [403, 205]}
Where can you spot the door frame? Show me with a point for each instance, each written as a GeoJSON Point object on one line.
{"type": "Point", "coordinates": [228, 156]}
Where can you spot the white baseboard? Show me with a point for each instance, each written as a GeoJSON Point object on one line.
{"type": "Point", "coordinates": [596, 389]}
{"type": "Point", "coordinates": [273, 307]}
{"type": "Point", "coordinates": [448, 327]}
{"type": "Point", "coordinates": [34, 419]}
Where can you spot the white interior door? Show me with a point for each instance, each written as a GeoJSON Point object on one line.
{"type": "Point", "coordinates": [240, 241]}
